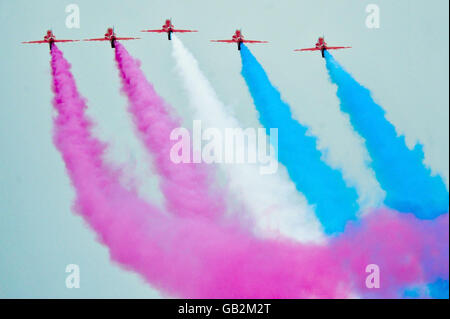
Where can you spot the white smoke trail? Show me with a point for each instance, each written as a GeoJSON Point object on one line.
{"type": "Point", "coordinates": [272, 200]}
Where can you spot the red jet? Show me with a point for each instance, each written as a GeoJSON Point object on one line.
{"type": "Point", "coordinates": [169, 29]}
{"type": "Point", "coordinates": [238, 38]}
{"type": "Point", "coordinates": [322, 46]}
{"type": "Point", "coordinates": [50, 39]}
{"type": "Point", "coordinates": [111, 37]}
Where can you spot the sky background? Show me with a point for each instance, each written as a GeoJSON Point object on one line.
{"type": "Point", "coordinates": [404, 63]}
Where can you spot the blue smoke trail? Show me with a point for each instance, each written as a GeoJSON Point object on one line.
{"type": "Point", "coordinates": [439, 289]}
{"type": "Point", "coordinates": [323, 186]}
{"type": "Point", "coordinates": [436, 290]}
{"type": "Point", "coordinates": [408, 183]}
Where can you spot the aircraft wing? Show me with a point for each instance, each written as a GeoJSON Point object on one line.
{"type": "Point", "coordinates": [97, 39]}
{"type": "Point", "coordinates": [66, 40]}
{"type": "Point", "coordinates": [224, 41]}
{"type": "Point", "coordinates": [158, 31]}
{"type": "Point", "coordinates": [179, 30]}
{"type": "Point", "coordinates": [337, 48]}
{"type": "Point", "coordinates": [254, 41]}
{"type": "Point", "coordinates": [40, 41]}
{"type": "Point", "coordinates": [43, 41]}
{"type": "Point", "coordinates": [127, 38]}
{"type": "Point", "coordinates": [308, 49]}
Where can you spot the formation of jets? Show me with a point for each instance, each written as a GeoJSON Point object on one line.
{"type": "Point", "coordinates": [322, 46]}
{"type": "Point", "coordinates": [111, 37]}
{"type": "Point", "coordinates": [50, 39]}
{"type": "Point", "coordinates": [169, 28]}
{"type": "Point", "coordinates": [238, 38]}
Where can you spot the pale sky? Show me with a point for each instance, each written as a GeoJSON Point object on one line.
{"type": "Point", "coordinates": [404, 63]}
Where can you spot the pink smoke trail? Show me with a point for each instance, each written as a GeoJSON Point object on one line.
{"type": "Point", "coordinates": [186, 186]}
{"type": "Point", "coordinates": [197, 258]}
{"type": "Point", "coordinates": [409, 251]}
